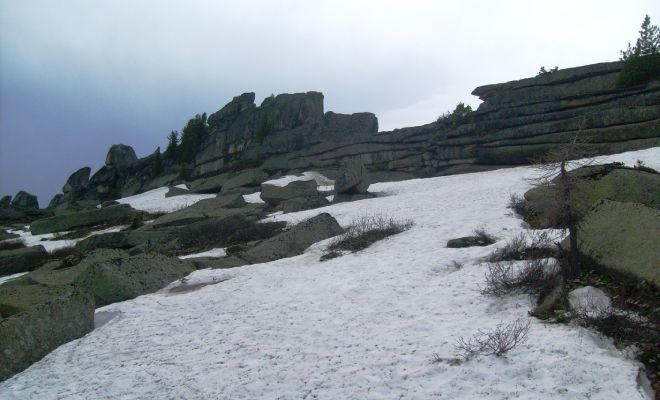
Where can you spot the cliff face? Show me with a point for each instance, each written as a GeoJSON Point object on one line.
{"type": "Point", "coordinates": [516, 121]}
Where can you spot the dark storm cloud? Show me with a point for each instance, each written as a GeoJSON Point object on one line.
{"type": "Point", "coordinates": [78, 76]}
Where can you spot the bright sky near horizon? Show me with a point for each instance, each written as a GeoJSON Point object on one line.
{"type": "Point", "coordinates": [77, 76]}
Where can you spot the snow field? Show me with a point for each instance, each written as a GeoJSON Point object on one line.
{"type": "Point", "coordinates": [364, 325]}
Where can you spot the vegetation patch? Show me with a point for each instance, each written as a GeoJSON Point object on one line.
{"type": "Point", "coordinates": [525, 246]}
{"type": "Point", "coordinates": [632, 321]}
{"type": "Point", "coordinates": [227, 231]}
{"type": "Point", "coordinates": [498, 341]}
{"type": "Point", "coordinates": [364, 231]}
{"type": "Point", "coordinates": [508, 277]}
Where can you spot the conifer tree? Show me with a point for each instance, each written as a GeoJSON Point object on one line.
{"type": "Point", "coordinates": [172, 145]}
{"type": "Point", "coordinates": [647, 44]}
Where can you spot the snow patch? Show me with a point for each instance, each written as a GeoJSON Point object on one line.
{"type": "Point", "coordinates": [154, 201]}
{"type": "Point", "coordinates": [49, 240]}
{"type": "Point", "coordinates": [254, 198]}
{"type": "Point", "coordinates": [589, 301]}
{"type": "Point", "coordinates": [215, 253]}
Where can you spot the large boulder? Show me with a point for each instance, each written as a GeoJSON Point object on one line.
{"type": "Point", "coordinates": [250, 177]}
{"type": "Point", "coordinates": [114, 275]}
{"type": "Point", "coordinates": [35, 319]}
{"type": "Point", "coordinates": [120, 156]}
{"type": "Point", "coordinates": [293, 241]}
{"type": "Point", "coordinates": [77, 183]}
{"type": "Point", "coordinates": [228, 114]}
{"type": "Point", "coordinates": [275, 195]}
{"type": "Point", "coordinates": [594, 183]}
{"type": "Point", "coordinates": [289, 111]}
{"type": "Point", "coordinates": [354, 179]}
{"type": "Point", "coordinates": [113, 215]}
{"type": "Point", "coordinates": [142, 240]}
{"type": "Point", "coordinates": [226, 231]}
{"type": "Point", "coordinates": [21, 260]}
{"type": "Point", "coordinates": [5, 201]}
{"type": "Point", "coordinates": [303, 203]}
{"type": "Point", "coordinates": [622, 238]}
{"type": "Point", "coordinates": [217, 207]}
{"type": "Point", "coordinates": [25, 201]}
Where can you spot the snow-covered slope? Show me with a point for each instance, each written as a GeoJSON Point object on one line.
{"type": "Point", "coordinates": [362, 326]}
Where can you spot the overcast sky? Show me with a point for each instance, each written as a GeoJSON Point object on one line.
{"type": "Point", "coordinates": [78, 76]}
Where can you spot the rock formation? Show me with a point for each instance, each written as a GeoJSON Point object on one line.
{"type": "Point", "coordinates": [290, 132]}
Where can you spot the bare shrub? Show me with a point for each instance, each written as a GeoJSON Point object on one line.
{"type": "Point", "coordinates": [496, 342]}
{"type": "Point", "coordinates": [503, 278]}
{"type": "Point", "coordinates": [518, 204]}
{"type": "Point", "coordinates": [366, 230]}
{"type": "Point", "coordinates": [455, 265]}
{"type": "Point", "coordinates": [484, 237]}
{"type": "Point", "coordinates": [525, 246]}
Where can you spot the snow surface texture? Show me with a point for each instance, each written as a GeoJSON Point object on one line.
{"type": "Point", "coordinates": [50, 242]}
{"type": "Point", "coordinates": [154, 201]}
{"type": "Point", "coordinates": [361, 326]}
{"type": "Point", "coordinates": [209, 253]}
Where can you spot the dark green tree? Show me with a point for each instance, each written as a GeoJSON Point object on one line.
{"type": "Point", "coordinates": [641, 63]}
{"type": "Point", "coordinates": [157, 166]}
{"type": "Point", "coordinates": [172, 145]}
{"type": "Point", "coordinates": [647, 44]}
{"type": "Point", "coordinates": [192, 136]}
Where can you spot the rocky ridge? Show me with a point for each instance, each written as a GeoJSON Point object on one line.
{"type": "Point", "coordinates": [517, 121]}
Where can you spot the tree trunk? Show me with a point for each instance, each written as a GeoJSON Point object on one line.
{"type": "Point", "coordinates": [572, 270]}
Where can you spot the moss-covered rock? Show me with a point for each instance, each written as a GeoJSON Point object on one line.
{"type": "Point", "coordinates": [250, 177]}
{"type": "Point", "coordinates": [275, 195]}
{"type": "Point", "coordinates": [622, 238]}
{"type": "Point", "coordinates": [108, 216]}
{"type": "Point", "coordinates": [21, 260]}
{"type": "Point", "coordinates": [293, 241]}
{"type": "Point", "coordinates": [114, 275]}
{"type": "Point", "coordinates": [38, 318]}
{"type": "Point", "coordinates": [595, 183]}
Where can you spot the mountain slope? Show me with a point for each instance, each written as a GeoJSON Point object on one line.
{"type": "Point", "coordinates": [364, 325]}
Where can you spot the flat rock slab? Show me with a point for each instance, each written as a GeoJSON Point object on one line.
{"type": "Point", "coordinates": [21, 260]}
{"type": "Point", "coordinates": [469, 241]}
{"type": "Point", "coordinates": [218, 207]}
{"type": "Point", "coordinates": [109, 216]}
{"type": "Point", "coordinates": [294, 241]}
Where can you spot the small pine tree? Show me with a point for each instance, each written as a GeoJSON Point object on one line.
{"type": "Point", "coordinates": [172, 145]}
{"type": "Point", "coordinates": [157, 163]}
{"type": "Point", "coordinates": [566, 213]}
{"type": "Point", "coordinates": [647, 44]}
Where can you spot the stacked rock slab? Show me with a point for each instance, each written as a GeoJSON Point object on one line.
{"type": "Point", "coordinates": [516, 122]}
